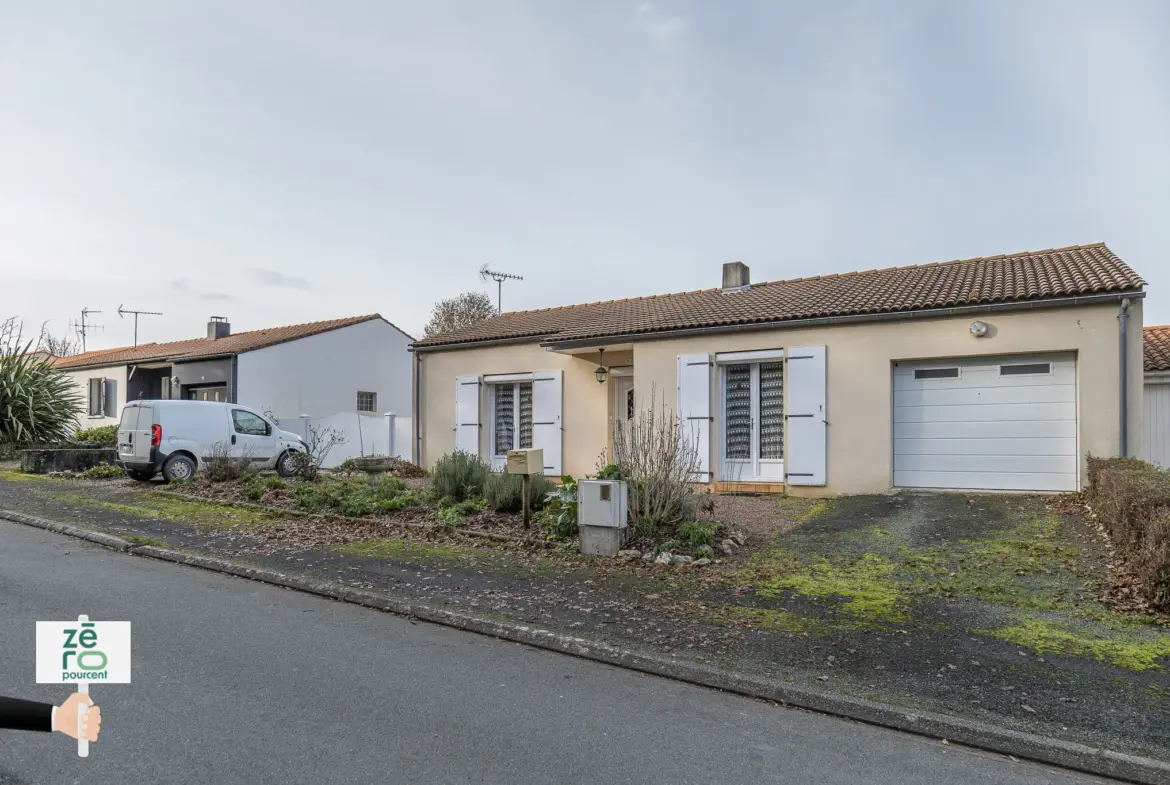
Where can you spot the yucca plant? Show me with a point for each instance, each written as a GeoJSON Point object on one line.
{"type": "Point", "coordinates": [38, 403]}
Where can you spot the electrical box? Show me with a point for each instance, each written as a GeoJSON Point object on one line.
{"type": "Point", "coordinates": [528, 461]}
{"type": "Point", "coordinates": [602, 503]}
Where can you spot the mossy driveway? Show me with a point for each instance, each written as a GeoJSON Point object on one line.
{"type": "Point", "coordinates": [980, 606]}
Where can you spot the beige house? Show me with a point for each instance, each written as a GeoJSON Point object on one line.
{"type": "Point", "coordinates": [997, 373]}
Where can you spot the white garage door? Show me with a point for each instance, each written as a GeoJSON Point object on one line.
{"type": "Point", "coordinates": [991, 423]}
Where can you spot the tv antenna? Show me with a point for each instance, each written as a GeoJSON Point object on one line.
{"type": "Point", "coordinates": [499, 278]}
{"type": "Point", "coordinates": [83, 327]}
{"type": "Point", "coordinates": [122, 314]}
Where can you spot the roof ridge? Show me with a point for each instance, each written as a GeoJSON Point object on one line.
{"type": "Point", "coordinates": [846, 274]}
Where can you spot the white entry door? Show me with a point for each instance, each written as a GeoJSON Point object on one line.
{"type": "Point", "coordinates": [752, 423]}
{"type": "Point", "coordinates": [986, 423]}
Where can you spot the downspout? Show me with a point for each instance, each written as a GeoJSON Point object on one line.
{"type": "Point", "coordinates": [235, 391]}
{"type": "Point", "coordinates": [1124, 319]}
{"type": "Point", "coordinates": [416, 448]}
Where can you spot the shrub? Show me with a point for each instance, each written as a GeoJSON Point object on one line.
{"type": "Point", "coordinates": [105, 435]}
{"type": "Point", "coordinates": [450, 518]}
{"type": "Point", "coordinates": [103, 471]}
{"type": "Point", "coordinates": [504, 492]}
{"type": "Point", "coordinates": [696, 533]}
{"type": "Point", "coordinates": [220, 466]}
{"type": "Point", "coordinates": [459, 476]}
{"type": "Point", "coordinates": [38, 402]}
{"type": "Point", "coordinates": [559, 517]}
{"type": "Point", "coordinates": [659, 461]}
{"type": "Point", "coordinates": [307, 498]}
{"type": "Point", "coordinates": [254, 492]}
{"type": "Point", "coordinates": [307, 464]}
{"type": "Point", "coordinates": [1132, 500]}
{"type": "Point", "coordinates": [275, 483]}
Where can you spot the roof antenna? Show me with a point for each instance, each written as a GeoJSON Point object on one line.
{"type": "Point", "coordinates": [83, 328]}
{"type": "Point", "coordinates": [499, 278]}
{"type": "Point", "coordinates": [122, 315]}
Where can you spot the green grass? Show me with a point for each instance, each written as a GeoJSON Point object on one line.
{"type": "Point", "coordinates": [402, 549]}
{"type": "Point", "coordinates": [15, 475]}
{"type": "Point", "coordinates": [1125, 648]}
{"type": "Point", "coordinates": [139, 539]}
{"type": "Point", "coordinates": [169, 508]}
{"type": "Point", "coordinates": [863, 587]}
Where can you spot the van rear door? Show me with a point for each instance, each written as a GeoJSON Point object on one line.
{"type": "Point", "coordinates": [134, 433]}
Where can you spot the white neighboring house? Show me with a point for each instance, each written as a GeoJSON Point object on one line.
{"type": "Point", "coordinates": [352, 375]}
{"type": "Point", "coordinates": [1156, 399]}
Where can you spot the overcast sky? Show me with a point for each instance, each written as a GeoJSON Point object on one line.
{"type": "Point", "coordinates": [278, 162]}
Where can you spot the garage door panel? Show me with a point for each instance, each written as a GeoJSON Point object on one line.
{"type": "Point", "coordinates": [1015, 412]}
{"type": "Point", "coordinates": [974, 379]}
{"type": "Point", "coordinates": [985, 396]}
{"type": "Point", "coordinates": [985, 446]}
{"type": "Point", "coordinates": [1047, 464]}
{"type": "Point", "coordinates": [991, 429]}
{"type": "Point", "coordinates": [987, 481]}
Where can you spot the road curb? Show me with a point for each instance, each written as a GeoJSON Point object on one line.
{"type": "Point", "coordinates": [972, 733]}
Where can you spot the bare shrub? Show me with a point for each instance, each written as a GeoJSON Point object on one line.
{"type": "Point", "coordinates": [1131, 498]}
{"type": "Point", "coordinates": [321, 443]}
{"type": "Point", "coordinates": [219, 465]}
{"type": "Point", "coordinates": [659, 459]}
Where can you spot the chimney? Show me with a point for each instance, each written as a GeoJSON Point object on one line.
{"type": "Point", "coordinates": [736, 277]}
{"type": "Point", "coordinates": [218, 327]}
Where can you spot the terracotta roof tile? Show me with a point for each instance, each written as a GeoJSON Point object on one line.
{"type": "Point", "coordinates": [1156, 348]}
{"type": "Point", "coordinates": [1034, 275]}
{"type": "Point", "coordinates": [195, 348]}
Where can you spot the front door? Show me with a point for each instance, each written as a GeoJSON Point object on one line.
{"type": "Point", "coordinates": [752, 397]}
{"type": "Point", "coordinates": [624, 406]}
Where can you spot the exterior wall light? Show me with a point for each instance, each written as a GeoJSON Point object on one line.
{"type": "Point", "coordinates": [601, 373]}
{"type": "Point", "coordinates": [978, 329]}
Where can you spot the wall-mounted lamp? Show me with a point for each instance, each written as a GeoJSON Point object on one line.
{"type": "Point", "coordinates": [978, 329]}
{"type": "Point", "coordinates": [601, 373]}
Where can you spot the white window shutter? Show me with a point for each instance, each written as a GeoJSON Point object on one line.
{"type": "Point", "coordinates": [547, 387]}
{"type": "Point", "coordinates": [807, 417]}
{"type": "Point", "coordinates": [467, 414]}
{"type": "Point", "coordinates": [694, 408]}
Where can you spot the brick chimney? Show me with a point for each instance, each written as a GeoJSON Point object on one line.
{"type": "Point", "coordinates": [218, 327]}
{"type": "Point", "coordinates": [736, 277]}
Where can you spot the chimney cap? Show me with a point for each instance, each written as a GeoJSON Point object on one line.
{"type": "Point", "coordinates": [218, 327]}
{"type": "Point", "coordinates": [736, 277]}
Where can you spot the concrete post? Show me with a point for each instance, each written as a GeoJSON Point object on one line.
{"type": "Point", "coordinates": [390, 416]}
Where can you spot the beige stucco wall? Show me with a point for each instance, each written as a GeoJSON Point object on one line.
{"type": "Point", "coordinates": [860, 358]}
{"type": "Point", "coordinates": [859, 390]}
{"type": "Point", "coordinates": [585, 403]}
{"type": "Point", "coordinates": [80, 381]}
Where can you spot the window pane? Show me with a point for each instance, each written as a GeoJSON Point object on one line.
{"type": "Point", "coordinates": [525, 415]}
{"type": "Point", "coordinates": [367, 402]}
{"type": "Point", "coordinates": [771, 410]}
{"type": "Point", "coordinates": [737, 417]}
{"type": "Point", "coordinates": [505, 415]}
{"type": "Point", "coordinates": [249, 423]}
{"type": "Point", "coordinates": [1026, 369]}
{"type": "Point", "coordinates": [936, 373]}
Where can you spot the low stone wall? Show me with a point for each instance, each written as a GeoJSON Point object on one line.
{"type": "Point", "coordinates": [42, 460]}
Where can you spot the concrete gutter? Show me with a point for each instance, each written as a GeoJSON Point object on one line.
{"type": "Point", "coordinates": [981, 735]}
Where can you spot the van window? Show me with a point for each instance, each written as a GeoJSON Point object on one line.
{"type": "Point", "coordinates": [129, 421]}
{"type": "Point", "coordinates": [252, 424]}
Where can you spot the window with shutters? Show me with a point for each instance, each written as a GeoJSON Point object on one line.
{"type": "Point", "coordinates": [753, 420]}
{"type": "Point", "coordinates": [511, 424]}
{"type": "Point", "coordinates": [97, 392]}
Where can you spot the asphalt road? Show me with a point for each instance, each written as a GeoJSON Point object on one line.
{"type": "Point", "coordinates": [239, 682]}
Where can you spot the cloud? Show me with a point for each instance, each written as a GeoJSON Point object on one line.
{"type": "Point", "coordinates": [275, 278]}
{"type": "Point", "coordinates": [181, 287]}
{"type": "Point", "coordinates": [659, 26]}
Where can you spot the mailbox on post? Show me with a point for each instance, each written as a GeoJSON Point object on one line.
{"type": "Point", "coordinates": [526, 463]}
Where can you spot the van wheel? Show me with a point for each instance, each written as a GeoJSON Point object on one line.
{"type": "Point", "coordinates": [141, 475]}
{"type": "Point", "coordinates": [286, 465]}
{"type": "Point", "coordinates": [178, 467]}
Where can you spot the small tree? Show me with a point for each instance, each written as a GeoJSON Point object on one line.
{"type": "Point", "coordinates": [37, 402]}
{"type": "Point", "coordinates": [462, 311]}
{"type": "Point", "coordinates": [63, 346]}
{"type": "Point", "coordinates": [321, 443]}
{"type": "Point", "coordinates": [659, 460]}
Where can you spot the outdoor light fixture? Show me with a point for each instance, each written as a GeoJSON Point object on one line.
{"type": "Point", "coordinates": [601, 373]}
{"type": "Point", "coordinates": [978, 329]}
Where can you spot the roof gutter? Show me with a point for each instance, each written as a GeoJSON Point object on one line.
{"type": "Point", "coordinates": [447, 347]}
{"type": "Point", "coordinates": [932, 313]}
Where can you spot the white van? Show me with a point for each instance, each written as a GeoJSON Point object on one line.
{"type": "Point", "coordinates": [174, 437]}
